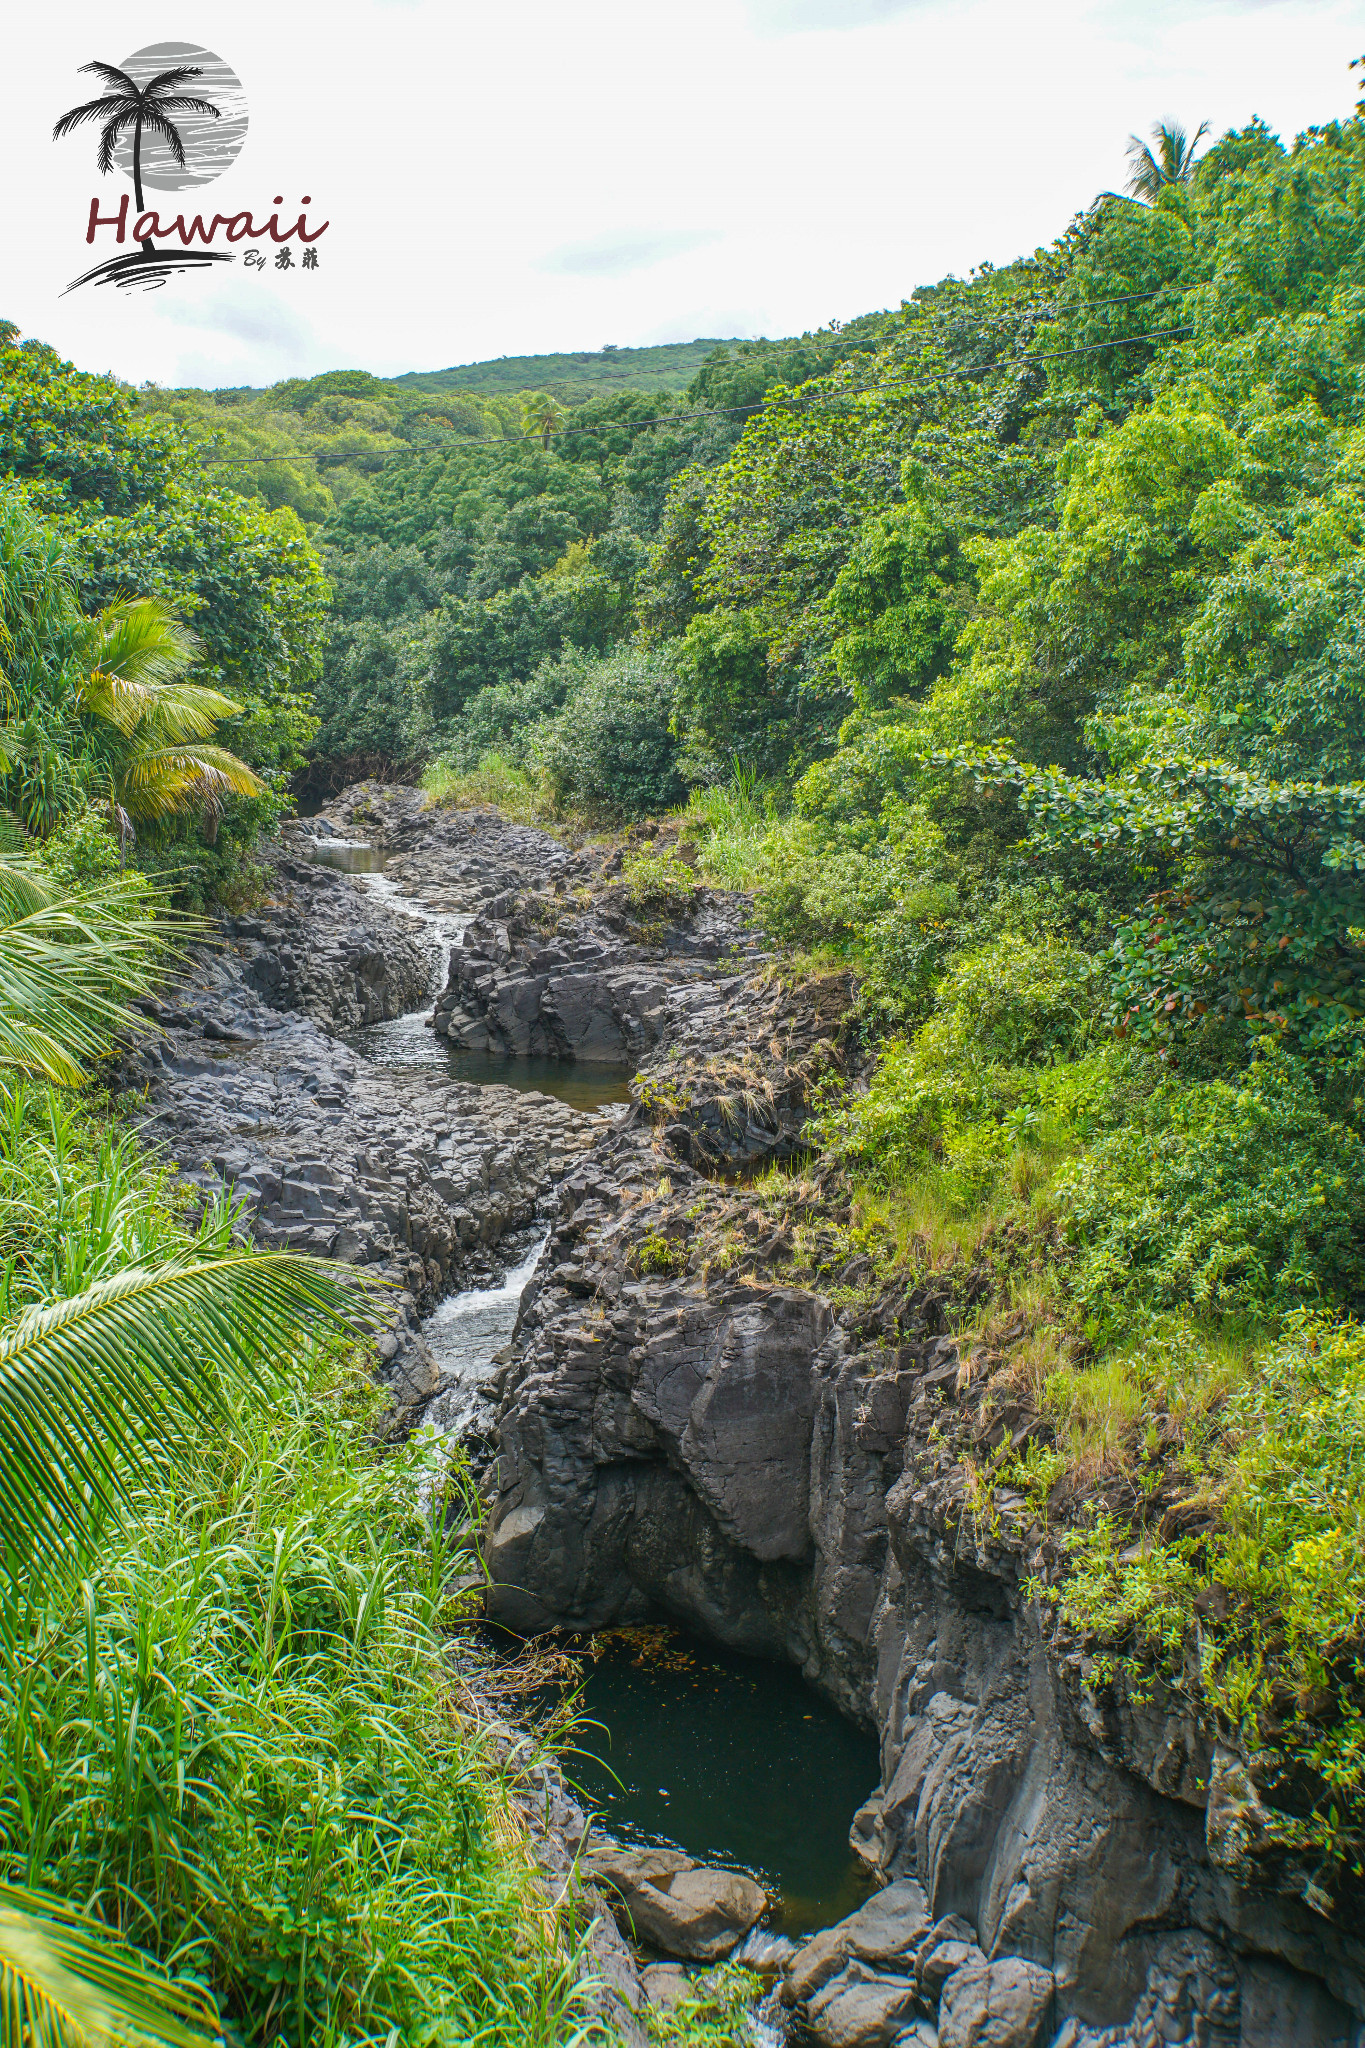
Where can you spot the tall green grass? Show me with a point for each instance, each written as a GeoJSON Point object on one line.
{"type": "Point", "coordinates": [496, 784]}
{"type": "Point", "coordinates": [241, 1742]}
{"type": "Point", "coordinates": [733, 825]}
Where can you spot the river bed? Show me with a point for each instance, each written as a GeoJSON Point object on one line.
{"type": "Point", "coordinates": [409, 1043]}
{"type": "Point", "coordinates": [731, 1760]}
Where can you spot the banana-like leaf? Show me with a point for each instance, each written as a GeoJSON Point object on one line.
{"type": "Point", "coordinates": [96, 1390]}
{"type": "Point", "coordinates": [175, 711]}
{"type": "Point", "coordinates": [68, 1982]}
{"type": "Point", "coordinates": [161, 780]}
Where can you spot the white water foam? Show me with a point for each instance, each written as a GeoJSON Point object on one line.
{"type": "Point", "coordinates": [465, 1333]}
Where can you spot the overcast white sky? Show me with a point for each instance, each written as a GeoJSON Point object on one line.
{"type": "Point", "coordinates": [523, 175]}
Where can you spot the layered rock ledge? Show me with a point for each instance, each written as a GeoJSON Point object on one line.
{"type": "Point", "coordinates": [685, 1432]}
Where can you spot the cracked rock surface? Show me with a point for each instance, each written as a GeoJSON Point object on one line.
{"type": "Point", "coordinates": [689, 1429]}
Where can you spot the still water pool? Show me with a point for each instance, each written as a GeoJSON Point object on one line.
{"type": "Point", "coordinates": [731, 1760]}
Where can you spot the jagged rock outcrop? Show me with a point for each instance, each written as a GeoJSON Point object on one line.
{"type": "Point", "coordinates": [556, 961]}
{"type": "Point", "coordinates": [243, 1085]}
{"type": "Point", "coordinates": [726, 1449]}
{"type": "Point", "coordinates": [321, 946]}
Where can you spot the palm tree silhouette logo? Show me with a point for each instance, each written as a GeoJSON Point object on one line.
{"type": "Point", "coordinates": [128, 104]}
{"type": "Point", "coordinates": [171, 116]}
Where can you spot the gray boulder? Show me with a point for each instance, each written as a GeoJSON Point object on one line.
{"type": "Point", "coordinates": [666, 1984]}
{"type": "Point", "coordinates": [663, 1898]}
{"type": "Point", "coordinates": [861, 2008]}
{"type": "Point", "coordinates": [995, 2005]}
{"type": "Point", "coordinates": [886, 1931]}
{"type": "Point", "coordinates": [949, 1944]}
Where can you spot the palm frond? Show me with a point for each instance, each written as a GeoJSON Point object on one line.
{"type": "Point", "coordinates": [174, 711]}
{"type": "Point", "coordinates": [1170, 163]}
{"type": "Point", "coordinates": [92, 110]}
{"type": "Point", "coordinates": [141, 640]}
{"type": "Point", "coordinates": [23, 889]}
{"type": "Point", "coordinates": [92, 1388]}
{"type": "Point", "coordinates": [68, 1982]}
{"type": "Point", "coordinates": [113, 76]}
{"type": "Point", "coordinates": [165, 78]}
{"type": "Point", "coordinates": [153, 118]}
{"type": "Point", "coordinates": [161, 781]}
{"type": "Point", "coordinates": [68, 969]}
{"type": "Point", "coordinates": [185, 103]}
{"type": "Point", "coordinates": [104, 157]}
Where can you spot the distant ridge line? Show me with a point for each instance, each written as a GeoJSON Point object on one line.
{"type": "Point", "coordinates": [665, 365]}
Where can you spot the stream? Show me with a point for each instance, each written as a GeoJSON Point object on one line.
{"type": "Point", "coordinates": [684, 1745]}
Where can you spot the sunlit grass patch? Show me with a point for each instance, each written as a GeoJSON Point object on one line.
{"type": "Point", "coordinates": [496, 783]}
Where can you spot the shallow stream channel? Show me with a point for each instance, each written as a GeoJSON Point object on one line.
{"type": "Point", "coordinates": [680, 1744]}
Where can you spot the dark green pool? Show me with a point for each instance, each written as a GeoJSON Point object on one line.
{"type": "Point", "coordinates": [733, 1762]}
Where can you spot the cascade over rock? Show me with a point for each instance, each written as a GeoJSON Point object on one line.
{"type": "Point", "coordinates": [727, 1448]}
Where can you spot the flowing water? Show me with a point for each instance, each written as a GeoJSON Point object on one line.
{"type": "Point", "coordinates": [465, 1334]}
{"type": "Point", "coordinates": [410, 1043]}
{"type": "Point", "coordinates": [731, 1760]}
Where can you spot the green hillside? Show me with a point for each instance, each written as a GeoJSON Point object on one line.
{"type": "Point", "coordinates": [573, 377]}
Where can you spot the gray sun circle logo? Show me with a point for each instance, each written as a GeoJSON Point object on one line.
{"type": "Point", "coordinates": [209, 141]}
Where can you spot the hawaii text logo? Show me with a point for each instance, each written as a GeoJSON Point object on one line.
{"type": "Point", "coordinates": [172, 117]}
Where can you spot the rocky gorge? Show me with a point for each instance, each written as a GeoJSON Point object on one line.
{"type": "Point", "coordinates": [689, 1425]}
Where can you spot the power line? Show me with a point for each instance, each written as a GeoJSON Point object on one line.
{"type": "Point", "coordinates": [720, 411]}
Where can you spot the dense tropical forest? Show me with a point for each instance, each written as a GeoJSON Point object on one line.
{"type": "Point", "coordinates": [1009, 646]}
{"type": "Point", "coordinates": [235, 1790]}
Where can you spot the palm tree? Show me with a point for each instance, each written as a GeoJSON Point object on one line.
{"type": "Point", "coordinates": [541, 414]}
{"type": "Point", "coordinates": [137, 653]}
{"type": "Point", "coordinates": [1171, 163]}
{"type": "Point", "coordinates": [129, 104]}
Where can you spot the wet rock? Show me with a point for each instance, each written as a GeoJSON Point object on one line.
{"type": "Point", "coordinates": [625, 1870]}
{"type": "Point", "coordinates": [666, 1984]}
{"type": "Point", "coordinates": [322, 945]}
{"type": "Point", "coordinates": [860, 2008]}
{"type": "Point", "coordinates": [886, 1931]}
{"type": "Point", "coordinates": [1004, 2004]}
{"type": "Point", "coordinates": [686, 1910]}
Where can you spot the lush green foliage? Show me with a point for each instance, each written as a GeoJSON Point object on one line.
{"type": "Point", "coordinates": [101, 504]}
{"type": "Point", "coordinates": [235, 1738]}
{"type": "Point", "coordinates": [610, 750]}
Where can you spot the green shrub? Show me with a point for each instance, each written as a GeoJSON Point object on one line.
{"type": "Point", "coordinates": [1016, 999]}
{"type": "Point", "coordinates": [611, 751]}
{"type": "Point", "coordinates": [1280, 1665]}
{"type": "Point", "coordinates": [1236, 1199]}
{"type": "Point", "coordinates": [657, 881]}
{"type": "Point", "coordinates": [80, 848]}
{"type": "Point", "coordinates": [503, 718]}
{"type": "Point", "coordinates": [935, 1110]}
